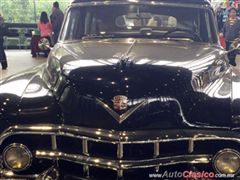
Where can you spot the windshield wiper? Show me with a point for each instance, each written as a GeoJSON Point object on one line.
{"type": "Point", "coordinates": [193, 33]}
{"type": "Point", "coordinates": [94, 36]}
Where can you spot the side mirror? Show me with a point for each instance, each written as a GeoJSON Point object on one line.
{"type": "Point", "coordinates": [44, 44]}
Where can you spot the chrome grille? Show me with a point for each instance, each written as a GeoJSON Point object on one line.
{"type": "Point", "coordinates": [116, 154]}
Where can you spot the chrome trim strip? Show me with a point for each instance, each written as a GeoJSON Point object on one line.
{"type": "Point", "coordinates": [119, 156]}
{"type": "Point", "coordinates": [119, 173]}
{"type": "Point", "coordinates": [125, 137]}
{"type": "Point", "coordinates": [156, 153]}
{"type": "Point", "coordinates": [124, 116]}
{"type": "Point", "coordinates": [156, 149]}
{"type": "Point", "coordinates": [153, 3]}
{"type": "Point", "coordinates": [11, 175]}
{"type": "Point", "coordinates": [126, 55]}
{"type": "Point", "coordinates": [49, 174]}
{"type": "Point", "coordinates": [54, 142]}
{"type": "Point", "coordinates": [124, 164]}
{"type": "Point", "coordinates": [85, 152]}
{"type": "Point", "coordinates": [190, 145]}
{"type": "Point", "coordinates": [85, 147]}
{"type": "Point", "coordinates": [120, 151]}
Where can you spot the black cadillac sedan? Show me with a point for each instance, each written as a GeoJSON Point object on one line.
{"type": "Point", "coordinates": [134, 89]}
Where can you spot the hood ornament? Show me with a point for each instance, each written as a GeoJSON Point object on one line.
{"type": "Point", "coordinates": [125, 57]}
{"type": "Point", "coordinates": [120, 102]}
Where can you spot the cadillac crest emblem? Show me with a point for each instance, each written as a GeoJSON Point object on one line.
{"type": "Point", "coordinates": [120, 102]}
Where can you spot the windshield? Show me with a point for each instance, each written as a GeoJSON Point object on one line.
{"type": "Point", "coordinates": [140, 21]}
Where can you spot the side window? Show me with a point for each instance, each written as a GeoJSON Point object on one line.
{"type": "Point", "coordinates": [208, 26]}
{"type": "Point", "coordinates": [74, 27]}
{"type": "Point", "coordinates": [207, 29]}
{"type": "Point", "coordinates": [67, 32]}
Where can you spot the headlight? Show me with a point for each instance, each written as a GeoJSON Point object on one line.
{"type": "Point", "coordinates": [227, 161]}
{"type": "Point", "coordinates": [17, 157]}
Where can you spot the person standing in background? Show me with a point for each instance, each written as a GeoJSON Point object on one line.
{"type": "Point", "coordinates": [238, 10]}
{"type": "Point", "coordinates": [45, 27]}
{"type": "Point", "coordinates": [219, 14]}
{"type": "Point", "coordinates": [56, 20]}
{"type": "Point", "coordinates": [3, 58]}
{"type": "Point", "coordinates": [231, 28]}
{"type": "Point", "coordinates": [231, 31]}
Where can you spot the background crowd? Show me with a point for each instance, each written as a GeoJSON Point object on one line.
{"type": "Point", "coordinates": [228, 20]}
{"type": "Point", "coordinates": [49, 27]}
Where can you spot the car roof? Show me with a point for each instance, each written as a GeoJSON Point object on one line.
{"type": "Point", "coordinates": [197, 2]}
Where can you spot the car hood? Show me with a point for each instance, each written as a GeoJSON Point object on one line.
{"type": "Point", "coordinates": [157, 80]}
{"type": "Point", "coordinates": [191, 55]}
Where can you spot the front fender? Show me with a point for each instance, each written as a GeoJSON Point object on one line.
{"type": "Point", "coordinates": [25, 97]}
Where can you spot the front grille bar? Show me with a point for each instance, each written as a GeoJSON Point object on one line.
{"type": "Point", "coordinates": [85, 152]}
{"type": "Point", "coordinates": [119, 138]}
{"type": "Point", "coordinates": [119, 156]}
{"type": "Point", "coordinates": [54, 142]}
{"type": "Point", "coordinates": [156, 153]}
{"type": "Point", "coordinates": [124, 164]}
{"type": "Point", "coordinates": [190, 145]}
{"type": "Point", "coordinates": [114, 137]}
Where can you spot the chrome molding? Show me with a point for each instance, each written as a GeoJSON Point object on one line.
{"type": "Point", "coordinates": [125, 56]}
{"type": "Point", "coordinates": [125, 137]}
{"type": "Point", "coordinates": [156, 149]}
{"type": "Point", "coordinates": [85, 152]}
{"type": "Point", "coordinates": [124, 164]}
{"type": "Point", "coordinates": [156, 153]}
{"type": "Point", "coordinates": [54, 142]}
{"type": "Point", "coordinates": [120, 151]}
{"type": "Point", "coordinates": [121, 138]}
{"type": "Point", "coordinates": [157, 3]}
{"type": "Point", "coordinates": [119, 156]}
{"type": "Point", "coordinates": [124, 116]}
{"type": "Point", "coordinates": [190, 145]}
{"type": "Point", "coordinates": [49, 174]}
{"type": "Point", "coordinates": [11, 175]}
{"type": "Point", "coordinates": [116, 165]}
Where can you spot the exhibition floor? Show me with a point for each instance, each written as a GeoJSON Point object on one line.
{"type": "Point", "coordinates": [20, 60]}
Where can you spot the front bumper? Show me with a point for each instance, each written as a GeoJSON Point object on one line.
{"type": "Point", "coordinates": [54, 173]}
{"type": "Point", "coordinates": [119, 164]}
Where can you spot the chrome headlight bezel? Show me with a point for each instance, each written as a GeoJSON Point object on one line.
{"type": "Point", "coordinates": [24, 149]}
{"type": "Point", "coordinates": [221, 153]}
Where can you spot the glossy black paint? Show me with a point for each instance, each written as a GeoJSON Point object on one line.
{"type": "Point", "coordinates": [25, 98]}
{"type": "Point", "coordinates": [187, 90]}
{"type": "Point", "coordinates": [142, 76]}
{"type": "Point", "coordinates": [83, 73]}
